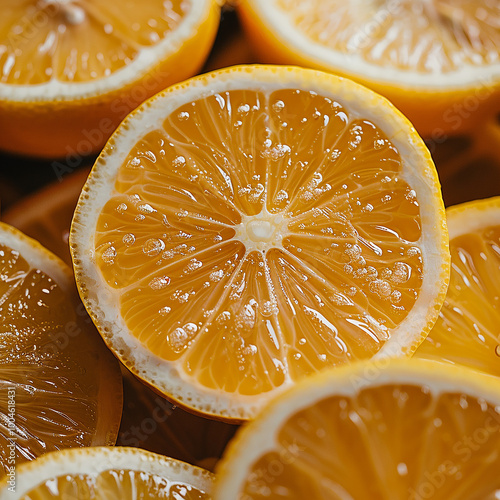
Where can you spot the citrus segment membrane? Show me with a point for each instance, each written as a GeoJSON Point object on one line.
{"type": "Point", "coordinates": [80, 41]}
{"type": "Point", "coordinates": [258, 232]}
{"type": "Point", "coordinates": [466, 331]}
{"type": "Point", "coordinates": [54, 369]}
{"type": "Point", "coordinates": [406, 431]}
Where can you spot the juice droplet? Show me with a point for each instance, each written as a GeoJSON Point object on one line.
{"type": "Point", "coordinates": [497, 350]}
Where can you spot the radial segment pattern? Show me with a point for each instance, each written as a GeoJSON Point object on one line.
{"type": "Point", "coordinates": [435, 36]}
{"type": "Point", "coordinates": [466, 332]}
{"type": "Point", "coordinates": [398, 441]}
{"type": "Point", "coordinates": [252, 244]}
{"type": "Point", "coordinates": [49, 381]}
{"type": "Point", "coordinates": [79, 41]}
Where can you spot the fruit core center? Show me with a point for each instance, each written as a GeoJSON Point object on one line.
{"type": "Point", "coordinates": [261, 231]}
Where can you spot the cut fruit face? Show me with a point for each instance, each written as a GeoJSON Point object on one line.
{"type": "Point", "coordinates": [88, 47]}
{"type": "Point", "coordinates": [466, 332]}
{"type": "Point", "coordinates": [266, 223]}
{"type": "Point", "coordinates": [448, 40]}
{"type": "Point", "coordinates": [70, 71]}
{"type": "Point", "coordinates": [410, 429]}
{"type": "Point", "coordinates": [61, 386]}
{"type": "Point", "coordinates": [438, 61]}
{"type": "Point", "coordinates": [95, 473]}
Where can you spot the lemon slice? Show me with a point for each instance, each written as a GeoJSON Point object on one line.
{"type": "Point", "coordinates": [99, 473]}
{"type": "Point", "coordinates": [404, 429]}
{"type": "Point", "coordinates": [255, 225]}
{"type": "Point", "coordinates": [438, 61]}
{"type": "Point", "coordinates": [466, 332]}
{"type": "Point", "coordinates": [70, 71]}
{"type": "Point", "coordinates": [61, 387]}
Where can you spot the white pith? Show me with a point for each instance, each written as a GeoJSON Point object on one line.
{"type": "Point", "coordinates": [260, 436]}
{"type": "Point", "coordinates": [468, 76]}
{"type": "Point", "coordinates": [104, 305]}
{"type": "Point", "coordinates": [147, 58]}
{"type": "Point", "coordinates": [473, 216]}
{"type": "Point", "coordinates": [93, 461]}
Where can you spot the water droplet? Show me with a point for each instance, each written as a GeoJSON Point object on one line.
{"type": "Point", "coordinates": [134, 163]}
{"type": "Point", "coordinates": [192, 266]}
{"type": "Point", "coordinates": [402, 469]}
{"type": "Point", "coordinates": [401, 273]}
{"type": "Point", "coordinates": [381, 288]}
{"type": "Point", "coordinates": [244, 109]}
{"type": "Point", "coordinates": [281, 196]}
{"type": "Point", "coordinates": [165, 310]}
{"type": "Point", "coordinates": [128, 239]}
{"type": "Point", "coordinates": [497, 350]}
{"type": "Point", "coordinates": [223, 317]}
{"type": "Point", "coordinates": [278, 106]}
{"type": "Point", "coordinates": [109, 255]}
{"type": "Point", "coordinates": [180, 161]}
{"type": "Point", "coordinates": [276, 152]}
{"type": "Point", "coordinates": [146, 208]}
{"type": "Point", "coordinates": [121, 208]}
{"type": "Point", "coordinates": [216, 276]}
{"type": "Point", "coordinates": [159, 283]}
{"type": "Point", "coordinates": [183, 115]}
{"type": "Point", "coordinates": [153, 247]}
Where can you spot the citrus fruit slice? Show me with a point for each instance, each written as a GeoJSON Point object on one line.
{"type": "Point", "coordinates": [438, 61]}
{"type": "Point", "coordinates": [103, 472]}
{"type": "Point", "coordinates": [254, 225]}
{"type": "Point", "coordinates": [466, 332]}
{"type": "Point", "coordinates": [406, 430]}
{"type": "Point", "coordinates": [61, 387]}
{"type": "Point", "coordinates": [70, 71]}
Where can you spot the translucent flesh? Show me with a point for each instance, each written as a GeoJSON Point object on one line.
{"type": "Point", "coordinates": [467, 330]}
{"type": "Point", "coordinates": [73, 41]}
{"type": "Point", "coordinates": [334, 265]}
{"type": "Point", "coordinates": [395, 441]}
{"type": "Point", "coordinates": [48, 380]}
{"type": "Point", "coordinates": [426, 36]}
{"type": "Point", "coordinates": [114, 484]}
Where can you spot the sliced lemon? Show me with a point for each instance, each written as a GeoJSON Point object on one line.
{"type": "Point", "coordinates": [61, 387]}
{"type": "Point", "coordinates": [104, 473]}
{"type": "Point", "coordinates": [438, 61]}
{"type": "Point", "coordinates": [404, 429]}
{"type": "Point", "coordinates": [70, 71]}
{"type": "Point", "coordinates": [255, 225]}
{"type": "Point", "coordinates": [466, 332]}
